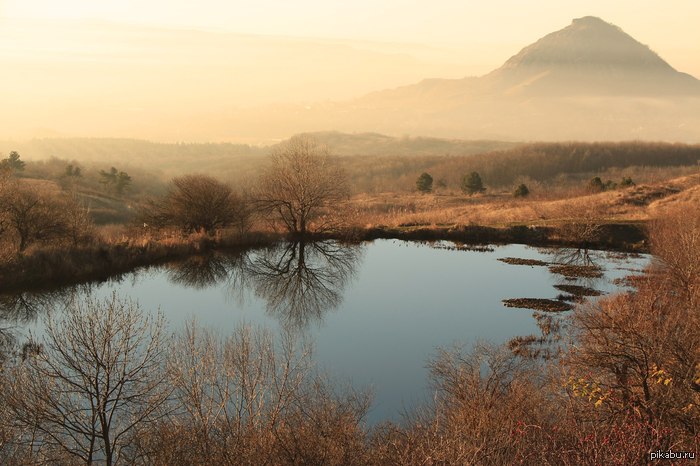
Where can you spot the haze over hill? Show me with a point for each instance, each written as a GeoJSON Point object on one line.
{"type": "Point", "coordinates": [588, 81]}
{"type": "Point", "coordinates": [175, 159]}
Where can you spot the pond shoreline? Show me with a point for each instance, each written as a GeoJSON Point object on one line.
{"type": "Point", "coordinates": [622, 237]}
{"type": "Point", "coordinates": [50, 268]}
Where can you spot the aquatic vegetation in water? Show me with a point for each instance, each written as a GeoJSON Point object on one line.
{"type": "Point", "coordinates": [576, 271]}
{"type": "Point", "coordinates": [578, 290]}
{"type": "Point", "coordinates": [546, 305]}
{"type": "Point", "coordinates": [520, 261]}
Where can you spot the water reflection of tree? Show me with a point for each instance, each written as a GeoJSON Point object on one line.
{"type": "Point", "coordinates": [203, 271]}
{"type": "Point", "coordinates": [579, 257]}
{"type": "Point", "coordinates": [24, 307]}
{"type": "Point", "coordinates": [302, 281]}
{"type": "Point", "coordinates": [21, 308]}
{"type": "Point", "coordinates": [574, 256]}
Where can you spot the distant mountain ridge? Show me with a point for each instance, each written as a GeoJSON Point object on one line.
{"type": "Point", "coordinates": [588, 40]}
{"type": "Point", "coordinates": [587, 81]}
{"type": "Point", "coordinates": [590, 56]}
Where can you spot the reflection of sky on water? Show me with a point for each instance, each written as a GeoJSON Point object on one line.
{"type": "Point", "coordinates": [376, 311]}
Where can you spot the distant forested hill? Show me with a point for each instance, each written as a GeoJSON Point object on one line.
{"type": "Point", "coordinates": [374, 162]}
{"type": "Point", "coordinates": [226, 159]}
{"type": "Point", "coordinates": [168, 159]}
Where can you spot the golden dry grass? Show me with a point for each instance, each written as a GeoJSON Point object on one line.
{"type": "Point", "coordinates": [638, 203]}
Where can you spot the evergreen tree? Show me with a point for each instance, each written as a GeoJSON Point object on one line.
{"type": "Point", "coordinates": [424, 183]}
{"type": "Point", "coordinates": [596, 185]}
{"type": "Point", "coordinates": [521, 191]}
{"type": "Point", "coordinates": [13, 162]}
{"type": "Point", "coordinates": [472, 184]}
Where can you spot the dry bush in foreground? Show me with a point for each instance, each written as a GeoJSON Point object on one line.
{"type": "Point", "coordinates": [90, 388]}
{"type": "Point", "coordinates": [635, 362]}
{"type": "Point", "coordinates": [675, 242]}
{"type": "Point", "coordinates": [627, 383]}
{"type": "Point", "coordinates": [486, 402]}
{"type": "Point", "coordinates": [246, 399]}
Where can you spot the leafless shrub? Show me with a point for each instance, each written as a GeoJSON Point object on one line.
{"type": "Point", "coordinates": [636, 360]}
{"type": "Point", "coordinates": [78, 224]}
{"type": "Point", "coordinates": [93, 385]}
{"type": "Point", "coordinates": [197, 203]}
{"type": "Point", "coordinates": [481, 399]}
{"type": "Point", "coordinates": [248, 399]}
{"type": "Point", "coordinates": [582, 222]}
{"type": "Point", "coordinates": [675, 242]}
{"type": "Point", "coordinates": [29, 215]}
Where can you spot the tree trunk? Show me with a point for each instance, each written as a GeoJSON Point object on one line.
{"type": "Point", "coordinates": [23, 243]}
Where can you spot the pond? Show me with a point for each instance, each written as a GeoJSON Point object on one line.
{"type": "Point", "coordinates": [375, 312]}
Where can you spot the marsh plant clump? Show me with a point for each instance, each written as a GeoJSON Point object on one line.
{"type": "Point", "coordinates": [577, 271]}
{"type": "Point", "coordinates": [539, 304]}
{"type": "Point", "coordinates": [578, 290]}
{"type": "Point", "coordinates": [521, 261]}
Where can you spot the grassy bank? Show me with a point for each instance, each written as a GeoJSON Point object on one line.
{"type": "Point", "coordinates": [628, 237]}
{"type": "Point", "coordinates": [611, 220]}
{"type": "Point", "coordinates": [55, 266]}
{"type": "Point", "coordinates": [58, 265]}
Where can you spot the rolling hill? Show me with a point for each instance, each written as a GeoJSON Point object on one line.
{"type": "Point", "coordinates": [588, 81]}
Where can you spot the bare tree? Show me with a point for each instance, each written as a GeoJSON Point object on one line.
{"type": "Point", "coordinates": [675, 242]}
{"type": "Point", "coordinates": [582, 222]}
{"type": "Point", "coordinates": [79, 228]}
{"type": "Point", "coordinates": [94, 382]}
{"type": "Point", "coordinates": [5, 177]}
{"type": "Point", "coordinates": [300, 182]}
{"type": "Point", "coordinates": [197, 202]}
{"type": "Point", "coordinates": [32, 215]}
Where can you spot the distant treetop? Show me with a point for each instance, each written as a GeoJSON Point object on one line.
{"type": "Point", "coordinates": [13, 162]}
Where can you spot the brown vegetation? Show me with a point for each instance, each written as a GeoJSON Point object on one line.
{"type": "Point", "coordinates": [520, 261]}
{"type": "Point", "coordinates": [626, 384]}
{"type": "Point", "coordinates": [675, 239]}
{"type": "Point", "coordinates": [578, 290]}
{"type": "Point", "coordinates": [89, 387]}
{"type": "Point", "coordinates": [31, 213]}
{"type": "Point", "coordinates": [104, 386]}
{"type": "Point", "coordinates": [540, 304]}
{"type": "Point", "coordinates": [49, 207]}
{"type": "Point", "coordinates": [196, 203]}
{"type": "Point", "coordinates": [300, 183]}
{"type": "Point", "coordinates": [577, 271]}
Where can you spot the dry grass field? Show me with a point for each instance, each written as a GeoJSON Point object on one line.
{"type": "Point", "coordinates": [634, 204]}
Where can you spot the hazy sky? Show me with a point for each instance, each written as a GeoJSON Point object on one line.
{"type": "Point", "coordinates": [180, 69]}
{"type": "Point", "coordinates": [496, 28]}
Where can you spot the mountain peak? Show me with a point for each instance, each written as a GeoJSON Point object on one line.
{"type": "Point", "coordinates": [588, 42]}
{"type": "Point", "coordinates": [591, 21]}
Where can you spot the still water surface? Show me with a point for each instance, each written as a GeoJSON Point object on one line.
{"type": "Point", "coordinates": [375, 312]}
